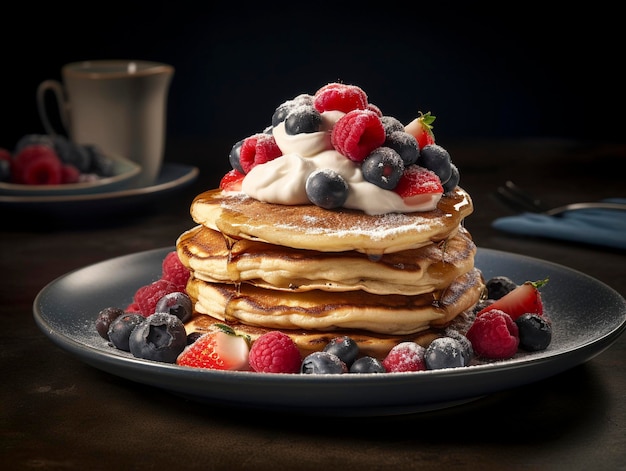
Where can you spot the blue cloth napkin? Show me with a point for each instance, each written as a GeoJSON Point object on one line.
{"type": "Point", "coordinates": [604, 227]}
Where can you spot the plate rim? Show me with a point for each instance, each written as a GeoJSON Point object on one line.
{"type": "Point", "coordinates": [130, 170]}
{"type": "Point", "coordinates": [181, 379]}
{"type": "Point", "coordinates": [191, 172]}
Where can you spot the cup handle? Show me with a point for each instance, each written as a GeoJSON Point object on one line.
{"type": "Point", "coordinates": [62, 104]}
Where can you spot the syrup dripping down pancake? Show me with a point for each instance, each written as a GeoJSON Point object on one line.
{"type": "Point", "coordinates": [313, 228]}
{"type": "Point", "coordinates": [214, 258]}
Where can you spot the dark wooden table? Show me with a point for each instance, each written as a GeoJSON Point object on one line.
{"type": "Point", "coordinates": [59, 413]}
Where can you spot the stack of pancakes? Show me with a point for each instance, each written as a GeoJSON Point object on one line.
{"type": "Point", "coordinates": [316, 274]}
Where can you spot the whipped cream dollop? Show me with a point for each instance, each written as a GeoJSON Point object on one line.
{"type": "Point", "coordinates": [282, 180]}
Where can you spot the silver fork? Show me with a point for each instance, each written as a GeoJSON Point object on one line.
{"type": "Point", "coordinates": [519, 199]}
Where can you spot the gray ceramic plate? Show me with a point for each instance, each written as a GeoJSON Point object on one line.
{"type": "Point", "coordinates": [172, 177]}
{"type": "Point", "coordinates": [124, 171]}
{"type": "Point", "coordinates": [588, 316]}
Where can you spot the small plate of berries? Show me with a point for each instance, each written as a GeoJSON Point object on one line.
{"type": "Point", "coordinates": [43, 165]}
{"type": "Point", "coordinates": [585, 316]}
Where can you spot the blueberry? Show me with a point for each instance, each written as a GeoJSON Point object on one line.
{"type": "Point", "coordinates": [383, 167]}
{"type": "Point", "coordinates": [344, 347]}
{"type": "Point", "coordinates": [322, 363]}
{"type": "Point", "coordinates": [5, 170]}
{"type": "Point", "coordinates": [436, 158]}
{"type": "Point", "coordinates": [33, 139]}
{"type": "Point", "coordinates": [100, 164]}
{"type": "Point", "coordinates": [121, 328]}
{"type": "Point", "coordinates": [176, 303]}
{"type": "Point", "coordinates": [535, 332]}
{"type": "Point", "coordinates": [391, 124]}
{"type": "Point", "coordinates": [280, 114]}
{"type": "Point", "coordinates": [405, 145]}
{"type": "Point", "coordinates": [303, 119]}
{"type": "Point", "coordinates": [498, 286]}
{"type": "Point", "coordinates": [235, 156]}
{"type": "Point", "coordinates": [444, 352]}
{"type": "Point", "coordinates": [193, 336]}
{"type": "Point", "coordinates": [480, 305]}
{"type": "Point", "coordinates": [468, 350]}
{"type": "Point", "coordinates": [104, 319]}
{"type": "Point", "coordinates": [367, 364]}
{"type": "Point", "coordinates": [160, 337]}
{"type": "Point", "coordinates": [73, 154]}
{"type": "Point", "coordinates": [326, 188]}
{"type": "Point", "coordinates": [454, 180]}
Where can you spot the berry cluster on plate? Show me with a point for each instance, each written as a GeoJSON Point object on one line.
{"type": "Point", "coordinates": [152, 327]}
{"type": "Point", "coordinates": [41, 159]}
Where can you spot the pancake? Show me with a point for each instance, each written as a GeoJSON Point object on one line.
{"type": "Point", "coordinates": [308, 341]}
{"type": "Point", "coordinates": [206, 252]}
{"type": "Point", "coordinates": [329, 311]}
{"type": "Point", "coordinates": [311, 227]}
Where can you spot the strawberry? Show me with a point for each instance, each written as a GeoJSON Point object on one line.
{"type": "Point", "coordinates": [418, 186]}
{"type": "Point", "coordinates": [232, 181]}
{"type": "Point", "coordinates": [221, 349]}
{"type": "Point", "coordinates": [422, 128]}
{"type": "Point", "coordinates": [525, 299]}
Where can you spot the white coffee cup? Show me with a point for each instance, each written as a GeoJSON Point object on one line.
{"type": "Point", "coordinates": [118, 105]}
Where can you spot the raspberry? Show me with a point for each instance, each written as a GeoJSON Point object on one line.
{"type": "Point", "coordinates": [340, 97]}
{"type": "Point", "coordinates": [275, 352]}
{"type": "Point", "coordinates": [36, 165]}
{"type": "Point", "coordinates": [258, 149]}
{"type": "Point", "coordinates": [175, 271]}
{"type": "Point", "coordinates": [5, 154]}
{"type": "Point", "coordinates": [132, 307]}
{"type": "Point", "coordinates": [147, 296]}
{"type": "Point", "coordinates": [494, 335]}
{"type": "Point", "coordinates": [406, 356]}
{"type": "Point", "coordinates": [376, 109]}
{"type": "Point", "coordinates": [69, 174]}
{"type": "Point", "coordinates": [358, 133]}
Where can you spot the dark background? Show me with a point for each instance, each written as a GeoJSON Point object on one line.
{"type": "Point", "coordinates": [506, 72]}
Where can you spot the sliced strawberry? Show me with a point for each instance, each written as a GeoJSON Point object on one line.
{"type": "Point", "coordinates": [522, 300]}
{"type": "Point", "coordinates": [418, 185]}
{"type": "Point", "coordinates": [221, 349]}
{"type": "Point", "coordinates": [232, 181]}
{"type": "Point", "coordinates": [422, 128]}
